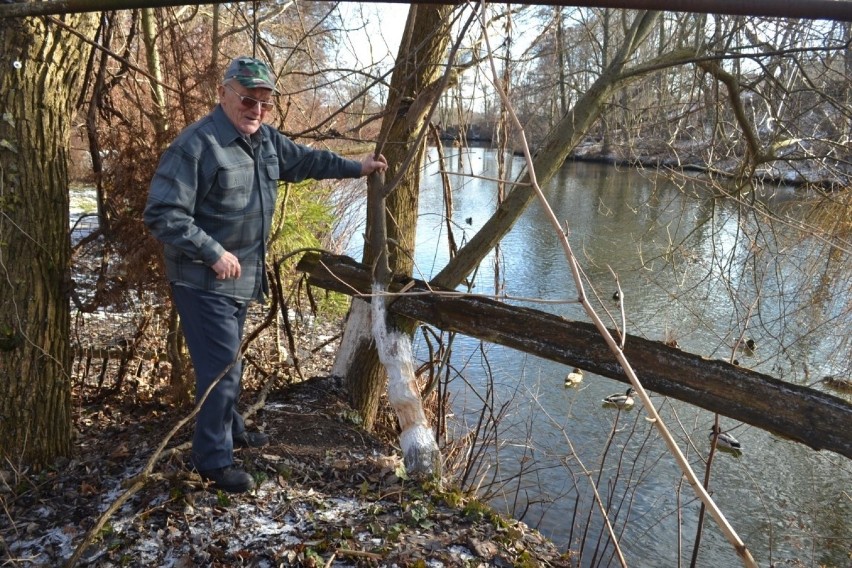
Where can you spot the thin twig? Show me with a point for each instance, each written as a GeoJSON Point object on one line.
{"type": "Point", "coordinates": [137, 482]}
{"type": "Point", "coordinates": [726, 528]}
{"type": "Point", "coordinates": [134, 484]}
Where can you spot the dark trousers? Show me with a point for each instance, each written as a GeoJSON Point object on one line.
{"type": "Point", "coordinates": [213, 327]}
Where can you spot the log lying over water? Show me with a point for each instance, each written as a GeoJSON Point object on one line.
{"type": "Point", "coordinates": [811, 417]}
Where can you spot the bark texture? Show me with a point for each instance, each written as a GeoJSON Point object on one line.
{"type": "Point", "coordinates": [41, 73]}
{"type": "Point", "coordinates": [420, 68]}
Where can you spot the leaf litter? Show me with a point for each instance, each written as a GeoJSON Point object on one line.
{"type": "Point", "coordinates": [329, 494]}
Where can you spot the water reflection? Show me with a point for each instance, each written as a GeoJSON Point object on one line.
{"type": "Point", "coordinates": [694, 268]}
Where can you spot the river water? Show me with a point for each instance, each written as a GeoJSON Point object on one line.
{"type": "Point", "coordinates": [694, 269]}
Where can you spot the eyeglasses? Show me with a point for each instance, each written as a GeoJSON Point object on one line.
{"type": "Point", "coordinates": [249, 102]}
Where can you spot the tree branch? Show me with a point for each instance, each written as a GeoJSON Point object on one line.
{"type": "Point", "coordinates": [839, 10]}
{"type": "Point", "coordinates": [799, 413]}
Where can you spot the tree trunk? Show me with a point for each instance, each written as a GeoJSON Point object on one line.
{"type": "Point", "coordinates": [549, 158]}
{"type": "Point", "coordinates": [559, 22]}
{"type": "Point", "coordinates": [182, 375]}
{"type": "Point", "coordinates": [413, 88]}
{"type": "Point", "coordinates": [41, 73]}
{"type": "Point", "coordinates": [606, 125]}
{"type": "Point", "coordinates": [152, 57]}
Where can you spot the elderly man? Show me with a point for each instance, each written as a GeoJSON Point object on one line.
{"type": "Point", "coordinates": [211, 203]}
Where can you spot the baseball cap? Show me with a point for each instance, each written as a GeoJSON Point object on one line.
{"type": "Point", "coordinates": [251, 73]}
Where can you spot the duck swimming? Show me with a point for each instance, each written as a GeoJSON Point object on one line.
{"type": "Point", "coordinates": [725, 440]}
{"type": "Point", "coordinates": [574, 378]}
{"type": "Point", "coordinates": [748, 346]}
{"type": "Point", "coordinates": [620, 400]}
{"type": "Point", "coordinates": [838, 383]}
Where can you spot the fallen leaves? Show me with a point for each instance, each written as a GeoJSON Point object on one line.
{"type": "Point", "coordinates": [329, 495]}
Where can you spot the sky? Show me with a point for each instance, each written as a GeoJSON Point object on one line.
{"type": "Point", "coordinates": [381, 37]}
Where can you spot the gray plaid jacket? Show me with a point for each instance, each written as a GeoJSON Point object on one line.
{"type": "Point", "coordinates": [214, 190]}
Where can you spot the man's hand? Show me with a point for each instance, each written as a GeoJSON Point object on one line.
{"type": "Point", "coordinates": [372, 163]}
{"type": "Point", "coordinates": [228, 266]}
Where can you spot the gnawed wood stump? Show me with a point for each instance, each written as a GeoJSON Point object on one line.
{"type": "Point", "coordinates": [420, 450]}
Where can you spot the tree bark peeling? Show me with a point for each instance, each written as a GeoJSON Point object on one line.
{"type": "Point", "coordinates": [419, 448]}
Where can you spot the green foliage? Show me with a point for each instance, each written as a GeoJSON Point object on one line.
{"type": "Point", "coordinates": [477, 510]}
{"type": "Point", "coordinates": [333, 304]}
{"type": "Point", "coordinates": [474, 509]}
{"type": "Point", "coordinates": [259, 477]}
{"type": "Point", "coordinates": [114, 544]}
{"type": "Point", "coordinates": [304, 219]}
{"type": "Point", "coordinates": [106, 531]}
{"type": "Point", "coordinates": [417, 515]}
{"type": "Point", "coordinates": [453, 498]}
{"type": "Point", "coordinates": [526, 560]}
{"type": "Point", "coordinates": [313, 558]}
{"type": "Point", "coordinates": [400, 472]}
{"type": "Point", "coordinates": [393, 532]}
{"type": "Point", "coordinates": [344, 533]}
{"type": "Point", "coordinates": [222, 499]}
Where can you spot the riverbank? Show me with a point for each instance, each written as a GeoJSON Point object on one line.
{"type": "Point", "coordinates": [812, 174]}
{"type": "Point", "coordinates": [805, 171]}
{"type": "Point", "coordinates": [816, 501]}
{"type": "Point", "coordinates": [329, 494]}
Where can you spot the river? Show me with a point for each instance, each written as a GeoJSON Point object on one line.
{"type": "Point", "coordinates": [694, 269]}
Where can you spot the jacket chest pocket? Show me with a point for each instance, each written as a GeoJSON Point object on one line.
{"type": "Point", "coordinates": [271, 168]}
{"type": "Point", "coordinates": [232, 191]}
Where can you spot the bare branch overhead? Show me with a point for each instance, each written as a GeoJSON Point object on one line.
{"type": "Point", "coordinates": [840, 10]}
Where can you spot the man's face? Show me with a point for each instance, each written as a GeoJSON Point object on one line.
{"type": "Point", "coordinates": [245, 114]}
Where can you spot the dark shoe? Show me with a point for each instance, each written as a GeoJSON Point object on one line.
{"type": "Point", "coordinates": [228, 478]}
{"type": "Point", "coordinates": [251, 440]}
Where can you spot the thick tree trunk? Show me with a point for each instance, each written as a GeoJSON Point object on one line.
{"type": "Point", "coordinates": [419, 449]}
{"type": "Point", "coordinates": [799, 413]}
{"type": "Point", "coordinates": [413, 87]}
{"type": "Point", "coordinates": [41, 73]}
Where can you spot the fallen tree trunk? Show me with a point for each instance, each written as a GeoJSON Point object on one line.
{"type": "Point", "coordinates": [811, 417]}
